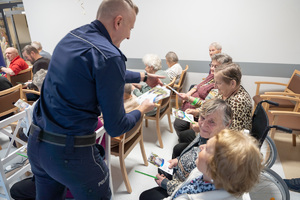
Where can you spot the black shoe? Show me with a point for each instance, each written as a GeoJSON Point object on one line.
{"type": "Point", "coordinates": [293, 184]}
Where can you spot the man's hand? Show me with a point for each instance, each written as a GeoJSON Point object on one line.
{"type": "Point", "coordinates": [160, 178]}
{"type": "Point", "coordinates": [173, 163]}
{"type": "Point", "coordinates": [146, 106]}
{"type": "Point", "coordinates": [154, 80]}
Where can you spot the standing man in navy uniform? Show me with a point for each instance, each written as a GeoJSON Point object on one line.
{"type": "Point", "coordinates": [86, 76]}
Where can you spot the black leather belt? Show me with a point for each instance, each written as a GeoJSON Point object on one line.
{"type": "Point", "coordinates": [60, 140]}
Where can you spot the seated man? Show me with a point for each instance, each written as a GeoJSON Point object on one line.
{"type": "Point", "coordinates": [39, 47]}
{"type": "Point", "coordinates": [38, 62]}
{"type": "Point", "coordinates": [16, 65]}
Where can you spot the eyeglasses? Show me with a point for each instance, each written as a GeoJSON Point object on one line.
{"type": "Point", "coordinates": [214, 66]}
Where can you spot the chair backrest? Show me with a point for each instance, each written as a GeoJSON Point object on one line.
{"type": "Point", "coordinates": [137, 127]}
{"type": "Point", "coordinates": [8, 98]}
{"type": "Point", "coordinates": [260, 123]}
{"type": "Point", "coordinates": [294, 83]}
{"type": "Point", "coordinates": [182, 79]}
{"type": "Point", "coordinates": [22, 77]}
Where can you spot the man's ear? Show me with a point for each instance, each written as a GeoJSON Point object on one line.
{"type": "Point", "coordinates": [117, 21]}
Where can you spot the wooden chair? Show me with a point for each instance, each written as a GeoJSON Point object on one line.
{"type": "Point", "coordinates": [27, 91]}
{"type": "Point", "coordinates": [289, 119]}
{"type": "Point", "coordinates": [178, 87]}
{"type": "Point", "coordinates": [163, 108]}
{"type": "Point", "coordinates": [8, 98]}
{"type": "Point", "coordinates": [122, 146]}
{"type": "Point", "coordinates": [8, 178]}
{"type": "Point", "coordinates": [291, 88]}
{"type": "Point", "coordinates": [22, 77]}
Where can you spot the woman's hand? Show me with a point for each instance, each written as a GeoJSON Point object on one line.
{"type": "Point", "coordinates": [183, 96]}
{"type": "Point", "coordinates": [160, 178]}
{"type": "Point", "coordinates": [173, 163]}
{"type": "Point", "coordinates": [194, 112]}
{"type": "Point", "coordinates": [196, 127]}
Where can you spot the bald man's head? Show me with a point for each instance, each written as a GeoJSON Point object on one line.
{"type": "Point", "coordinates": [11, 53]}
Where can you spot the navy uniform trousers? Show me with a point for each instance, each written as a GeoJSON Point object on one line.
{"type": "Point", "coordinates": [78, 168]}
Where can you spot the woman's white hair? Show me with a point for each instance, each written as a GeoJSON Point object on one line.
{"type": "Point", "coordinates": [152, 60]}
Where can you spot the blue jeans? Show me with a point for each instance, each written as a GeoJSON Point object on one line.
{"type": "Point", "coordinates": [81, 169]}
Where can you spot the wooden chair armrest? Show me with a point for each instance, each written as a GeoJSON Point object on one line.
{"type": "Point", "coordinates": [290, 113]}
{"type": "Point", "coordinates": [31, 91]}
{"type": "Point", "coordinates": [282, 93]}
{"type": "Point", "coordinates": [157, 105]}
{"type": "Point", "coordinates": [176, 86]}
{"type": "Point", "coordinates": [258, 83]}
{"type": "Point", "coordinates": [279, 97]}
{"type": "Point", "coordinates": [274, 83]}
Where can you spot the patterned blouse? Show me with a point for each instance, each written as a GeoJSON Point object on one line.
{"type": "Point", "coordinates": [241, 106]}
{"type": "Point", "coordinates": [197, 185]}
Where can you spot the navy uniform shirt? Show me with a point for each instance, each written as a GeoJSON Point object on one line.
{"type": "Point", "coordinates": [86, 76]}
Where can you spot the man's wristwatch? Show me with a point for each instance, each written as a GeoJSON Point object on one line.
{"type": "Point", "coordinates": [146, 77]}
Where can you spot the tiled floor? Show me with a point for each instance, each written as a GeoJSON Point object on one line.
{"type": "Point", "coordinates": [134, 161]}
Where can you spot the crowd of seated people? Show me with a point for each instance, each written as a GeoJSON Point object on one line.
{"type": "Point", "coordinates": [221, 107]}
{"type": "Point", "coordinates": [203, 91]}
{"type": "Point", "coordinates": [214, 111]}
{"type": "Point", "coordinates": [220, 167]}
{"type": "Point", "coordinates": [227, 79]}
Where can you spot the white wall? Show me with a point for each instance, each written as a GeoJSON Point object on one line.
{"type": "Point", "coordinates": [265, 31]}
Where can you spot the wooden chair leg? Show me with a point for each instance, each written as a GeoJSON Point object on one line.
{"type": "Point", "coordinates": [146, 122]}
{"type": "Point", "coordinates": [159, 134]}
{"type": "Point", "coordinates": [143, 151]}
{"type": "Point", "coordinates": [124, 172]}
{"type": "Point", "coordinates": [170, 123]}
{"type": "Point", "coordinates": [176, 101]}
{"type": "Point", "coordinates": [294, 139]}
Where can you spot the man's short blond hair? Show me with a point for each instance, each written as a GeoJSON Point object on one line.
{"type": "Point", "coordinates": [236, 163]}
{"type": "Point", "coordinates": [112, 8]}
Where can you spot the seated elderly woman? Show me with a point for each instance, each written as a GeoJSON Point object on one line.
{"type": "Point", "coordinates": [228, 82]}
{"type": "Point", "coordinates": [174, 68]}
{"type": "Point", "coordinates": [227, 160]}
{"type": "Point", "coordinates": [214, 111]}
{"type": "Point", "coordinates": [153, 66]}
{"type": "Point", "coordinates": [198, 93]}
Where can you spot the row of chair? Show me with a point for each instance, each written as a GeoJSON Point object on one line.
{"type": "Point", "coordinates": [287, 114]}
